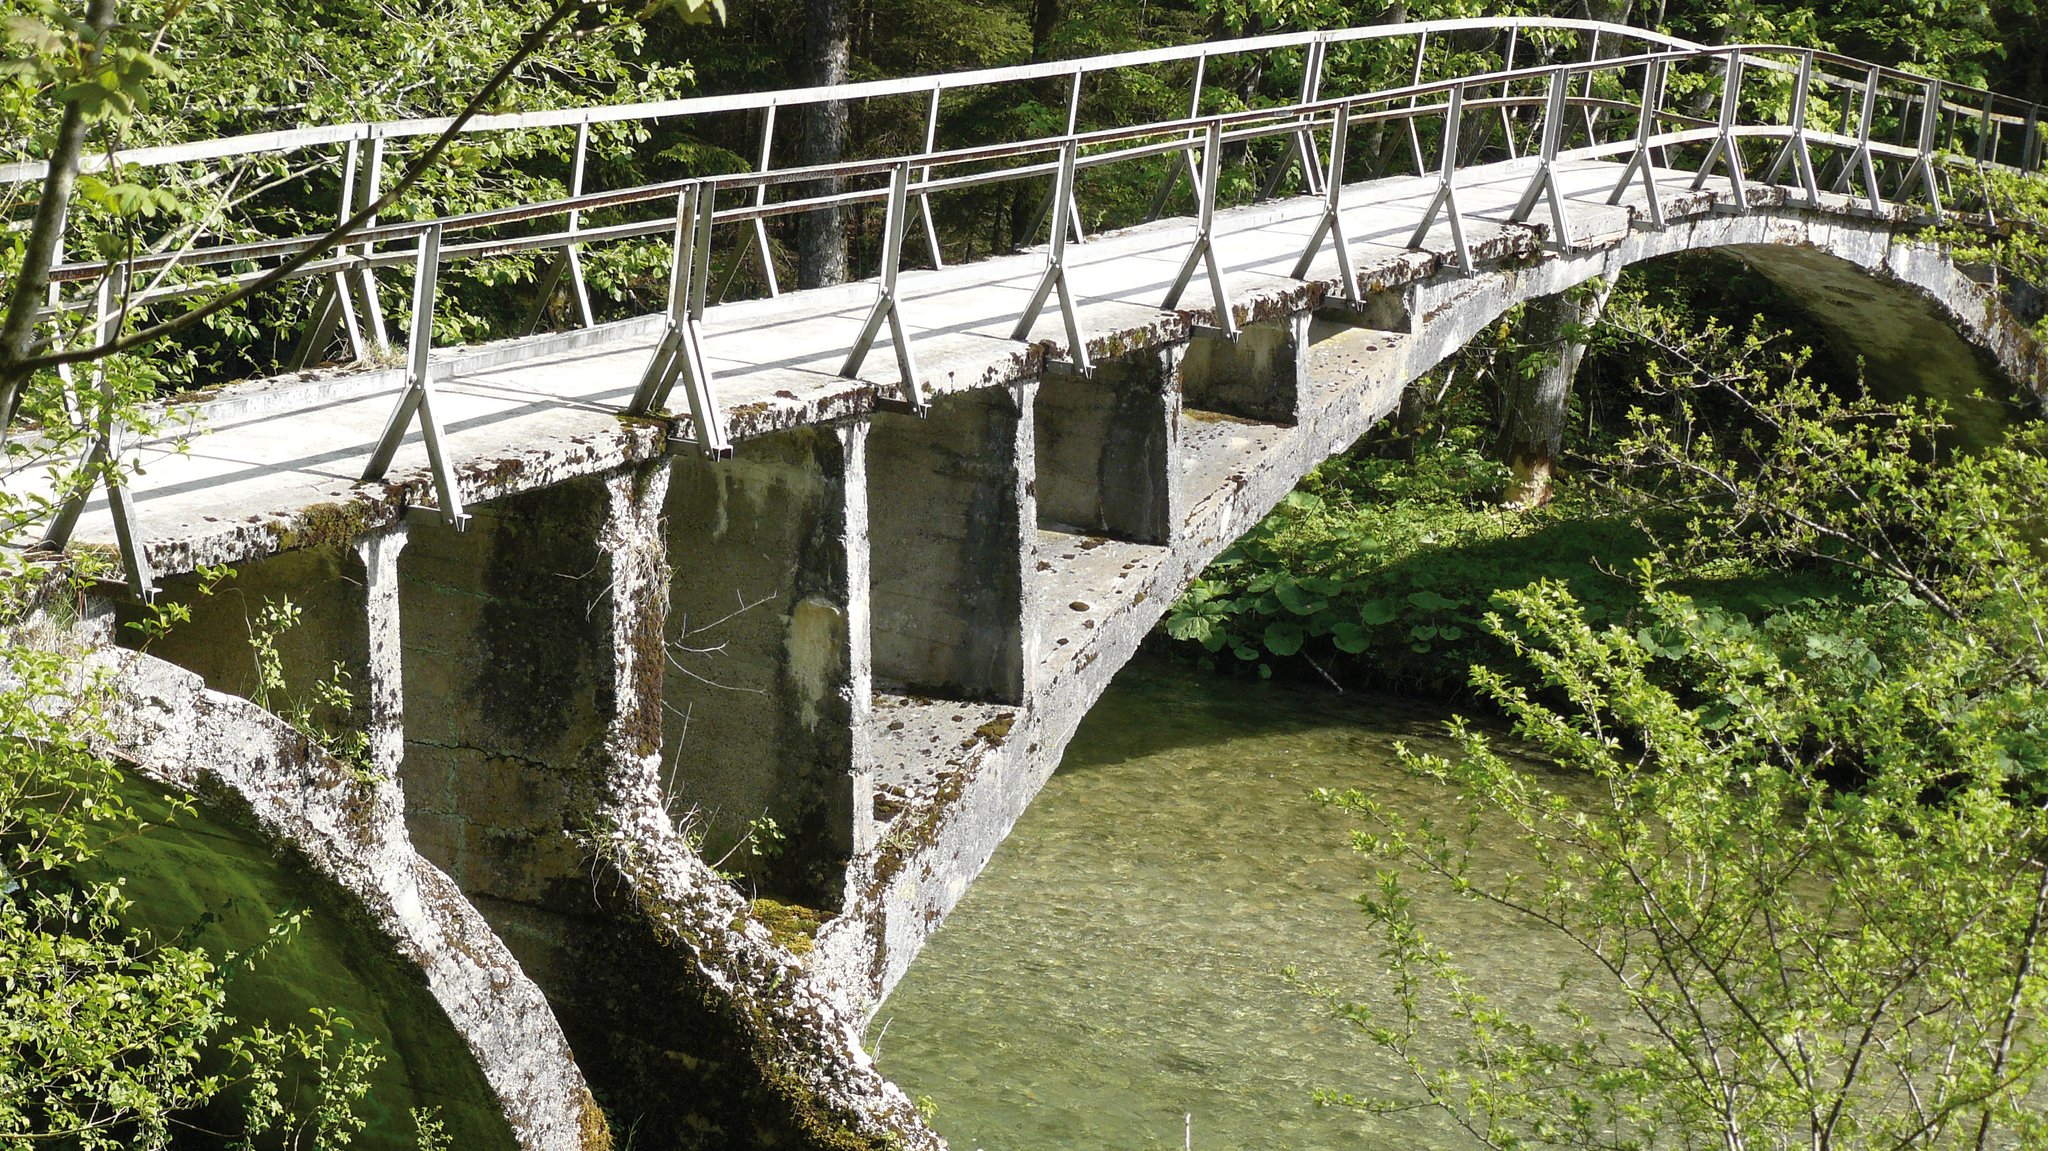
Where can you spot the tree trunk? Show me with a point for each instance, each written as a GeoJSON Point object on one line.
{"type": "Point", "coordinates": [17, 336]}
{"type": "Point", "coordinates": [1535, 403]}
{"type": "Point", "coordinates": [1025, 198]}
{"type": "Point", "coordinates": [821, 234]}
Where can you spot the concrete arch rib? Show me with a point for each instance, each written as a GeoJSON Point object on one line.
{"type": "Point", "coordinates": [231, 754]}
{"type": "Point", "coordinates": [1098, 598]}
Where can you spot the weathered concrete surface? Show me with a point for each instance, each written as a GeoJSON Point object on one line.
{"type": "Point", "coordinates": [349, 829]}
{"type": "Point", "coordinates": [767, 653]}
{"type": "Point", "coordinates": [949, 500]}
{"type": "Point", "coordinates": [951, 781]}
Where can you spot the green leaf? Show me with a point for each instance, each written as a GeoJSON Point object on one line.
{"type": "Point", "coordinates": [1283, 638]}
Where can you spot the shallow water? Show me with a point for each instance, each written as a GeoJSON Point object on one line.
{"type": "Point", "coordinates": [1120, 963]}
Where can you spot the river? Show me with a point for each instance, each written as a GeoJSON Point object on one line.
{"type": "Point", "coordinates": [1121, 964]}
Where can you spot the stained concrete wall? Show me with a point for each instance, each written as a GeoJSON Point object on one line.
{"type": "Point", "coordinates": [1261, 375]}
{"type": "Point", "coordinates": [949, 500]}
{"type": "Point", "coordinates": [1105, 463]}
{"type": "Point", "coordinates": [327, 584]}
{"type": "Point", "coordinates": [508, 687]}
{"type": "Point", "coordinates": [767, 653]}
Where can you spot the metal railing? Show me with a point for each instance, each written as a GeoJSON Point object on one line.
{"type": "Point", "coordinates": [1640, 97]}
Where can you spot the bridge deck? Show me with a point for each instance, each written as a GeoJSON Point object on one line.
{"type": "Point", "coordinates": [251, 460]}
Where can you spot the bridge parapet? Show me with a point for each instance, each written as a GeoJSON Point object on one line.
{"type": "Point", "coordinates": [1856, 126]}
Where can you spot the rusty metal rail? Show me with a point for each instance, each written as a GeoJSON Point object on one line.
{"type": "Point", "coordinates": [1617, 102]}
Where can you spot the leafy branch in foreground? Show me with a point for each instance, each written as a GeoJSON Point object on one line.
{"type": "Point", "coordinates": [1800, 857]}
{"type": "Point", "coordinates": [1795, 961]}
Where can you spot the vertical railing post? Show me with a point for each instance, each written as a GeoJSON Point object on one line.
{"type": "Point", "coordinates": [1922, 171]}
{"type": "Point", "coordinates": [1305, 151]}
{"type": "Point", "coordinates": [1795, 151]}
{"type": "Point", "coordinates": [680, 353]}
{"type": "Point", "coordinates": [366, 278]}
{"type": "Point", "coordinates": [418, 397]}
{"type": "Point", "coordinates": [1726, 148]}
{"type": "Point", "coordinates": [1332, 222]}
{"type": "Point", "coordinates": [569, 257]}
{"type": "Point", "coordinates": [1054, 278]}
{"type": "Point", "coordinates": [1586, 95]}
{"type": "Point", "coordinates": [1986, 148]}
{"type": "Point", "coordinates": [888, 303]}
{"type": "Point", "coordinates": [2030, 148]}
{"type": "Point", "coordinates": [100, 466]}
{"type": "Point", "coordinates": [1073, 124]}
{"type": "Point", "coordinates": [336, 305]}
{"type": "Point", "coordinates": [1415, 136]}
{"type": "Point", "coordinates": [1507, 123]}
{"type": "Point", "coordinates": [1642, 162]}
{"type": "Point", "coordinates": [1863, 161]}
{"type": "Point", "coordinates": [924, 199]}
{"type": "Point", "coordinates": [1446, 199]}
{"type": "Point", "coordinates": [761, 201]}
{"type": "Point", "coordinates": [1543, 185]}
{"type": "Point", "coordinates": [1204, 250]}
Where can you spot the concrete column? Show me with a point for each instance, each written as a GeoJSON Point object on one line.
{"type": "Point", "coordinates": [951, 506]}
{"type": "Point", "coordinates": [510, 690]}
{"type": "Point", "coordinates": [382, 689]}
{"type": "Point", "coordinates": [1105, 462]}
{"type": "Point", "coordinates": [1536, 403]}
{"type": "Point", "coordinates": [768, 678]}
{"type": "Point", "coordinates": [1261, 376]}
{"type": "Point", "coordinates": [634, 539]}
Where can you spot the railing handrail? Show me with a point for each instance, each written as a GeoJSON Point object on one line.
{"type": "Point", "coordinates": [350, 294]}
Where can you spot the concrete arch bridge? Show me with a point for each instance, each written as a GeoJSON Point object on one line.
{"type": "Point", "coordinates": [868, 592]}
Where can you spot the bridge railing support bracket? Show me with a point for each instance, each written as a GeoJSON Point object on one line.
{"type": "Point", "coordinates": [680, 354]}
{"type": "Point", "coordinates": [418, 398]}
{"type": "Point", "coordinates": [1204, 251]}
{"type": "Point", "coordinates": [1054, 280]}
{"type": "Point", "coordinates": [889, 303]}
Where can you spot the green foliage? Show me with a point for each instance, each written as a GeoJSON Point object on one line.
{"type": "Point", "coordinates": [1801, 850]}
{"type": "Point", "coordinates": [1796, 960]}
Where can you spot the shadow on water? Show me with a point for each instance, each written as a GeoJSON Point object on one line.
{"type": "Point", "coordinates": [205, 882]}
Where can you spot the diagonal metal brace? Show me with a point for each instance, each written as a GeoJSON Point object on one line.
{"type": "Point", "coordinates": [101, 467]}
{"type": "Point", "coordinates": [1055, 277]}
{"type": "Point", "coordinates": [888, 304]}
{"type": "Point", "coordinates": [1204, 250]}
{"type": "Point", "coordinates": [1332, 223]}
{"type": "Point", "coordinates": [1446, 198]}
{"type": "Point", "coordinates": [680, 354]}
{"type": "Point", "coordinates": [418, 398]}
